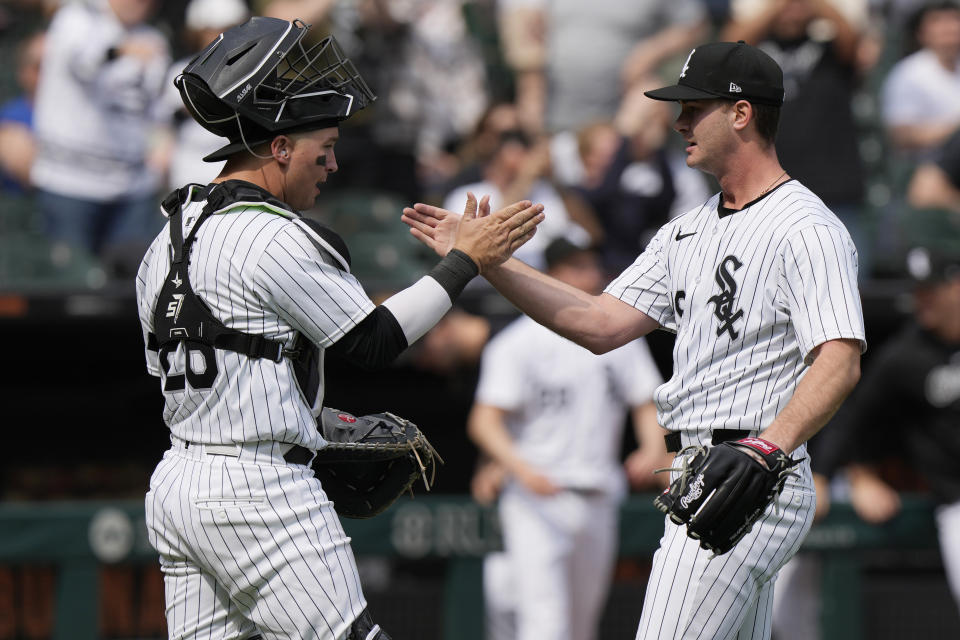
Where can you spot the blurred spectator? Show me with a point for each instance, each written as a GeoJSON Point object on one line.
{"type": "Point", "coordinates": [574, 60]}
{"type": "Point", "coordinates": [632, 179]}
{"type": "Point", "coordinates": [550, 414]}
{"type": "Point", "coordinates": [204, 21]}
{"type": "Point", "coordinates": [17, 143]}
{"type": "Point", "coordinates": [518, 170]}
{"type": "Point", "coordinates": [816, 45]}
{"type": "Point", "coordinates": [908, 406]}
{"type": "Point", "coordinates": [309, 11]}
{"type": "Point", "coordinates": [904, 410]}
{"type": "Point", "coordinates": [921, 94]}
{"type": "Point", "coordinates": [432, 85]}
{"type": "Point", "coordinates": [455, 342]}
{"type": "Point", "coordinates": [477, 149]}
{"type": "Point", "coordinates": [96, 110]}
{"type": "Point", "coordinates": [936, 182]}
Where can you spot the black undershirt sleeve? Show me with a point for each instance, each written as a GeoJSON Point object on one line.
{"type": "Point", "coordinates": [378, 339]}
{"type": "Point", "coordinates": [374, 343]}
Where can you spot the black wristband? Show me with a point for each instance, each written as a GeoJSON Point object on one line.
{"type": "Point", "coordinates": [454, 272]}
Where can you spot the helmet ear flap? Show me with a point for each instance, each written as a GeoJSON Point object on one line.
{"type": "Point", "coordinates": [206, 108]}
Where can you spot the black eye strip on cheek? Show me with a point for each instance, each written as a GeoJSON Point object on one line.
{"type": "Point", "coordinates": [322, 161]}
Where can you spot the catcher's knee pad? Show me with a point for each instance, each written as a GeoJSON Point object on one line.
{"type": "Point", "coordinates": [364, 628]}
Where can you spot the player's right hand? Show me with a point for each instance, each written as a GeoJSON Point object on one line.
{"type": "Point", "coordinates": [487, 482]}
{"type": "Point", "coordinates": [488, 239]}
{"type": "Point", "coordinates": [536, 482]}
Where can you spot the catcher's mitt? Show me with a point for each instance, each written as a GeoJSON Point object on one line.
{"type": "Point", "coordinates": [370, 460]}
{"type": "Point", "coordinates": [722, 491]}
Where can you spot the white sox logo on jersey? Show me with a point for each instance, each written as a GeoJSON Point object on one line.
{"type": "Point", "coordinates": [723, 301]}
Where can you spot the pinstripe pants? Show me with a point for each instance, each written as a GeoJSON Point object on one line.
{"type": "Point", "coordinates": [250, 548]}
{"type": "Point", "coordinates": [730, 597]}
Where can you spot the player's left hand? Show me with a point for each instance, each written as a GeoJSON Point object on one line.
{"type": "Point", "coordinates": [487, 238]}
{"type": "Point", "coordinates": [640, 467]}
{"type": "Point", "coordinates": [722, 491]}
{"type": "Point", "coordinates": [436, 227]}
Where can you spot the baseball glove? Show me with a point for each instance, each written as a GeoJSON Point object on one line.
{"type": "Point", "coordinates": [370, 460]}
{"type": "Point", "coordinates": [722, 491]}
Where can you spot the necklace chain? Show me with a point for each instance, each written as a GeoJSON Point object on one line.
{"type": "Point", "coordinates": [764, 192]}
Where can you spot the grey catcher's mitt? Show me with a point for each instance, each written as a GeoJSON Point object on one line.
{"type": "Point", "coordinates": [371, 460]}
{"type": "Point", "coordinates": [722, 491]}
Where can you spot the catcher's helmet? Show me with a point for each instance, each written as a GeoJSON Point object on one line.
{"type": "Point", "coordinates": [257, 80]}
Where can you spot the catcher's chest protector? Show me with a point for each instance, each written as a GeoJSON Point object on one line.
{"type": "Point", "coordinates": [181, 317]}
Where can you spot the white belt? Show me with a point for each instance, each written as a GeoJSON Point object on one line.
{"type": "Point", "coordinates": [232, 450]}
{"type": "Point", "coordinates": [246, 450]}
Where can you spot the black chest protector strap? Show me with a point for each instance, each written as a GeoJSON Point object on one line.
{"type": "Point", "coordinates": [180, 314]}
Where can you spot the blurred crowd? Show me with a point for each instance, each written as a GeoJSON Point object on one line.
{"type": "Point", "coordinates": [538, 99]}
{"type": "Point", "coordinates": [533, 99]}
{"type": "Point", "coordinates": [518, 99]}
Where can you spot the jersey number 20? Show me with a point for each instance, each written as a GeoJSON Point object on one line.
{"type": "Point", "coordinates": [200, 367]}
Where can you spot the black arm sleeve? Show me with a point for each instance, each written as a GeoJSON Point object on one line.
{"type": "Point", "coordinates": [374, 343]}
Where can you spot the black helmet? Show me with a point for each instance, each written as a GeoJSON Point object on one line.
{"type": "Point", "coordinates": [257, 80]}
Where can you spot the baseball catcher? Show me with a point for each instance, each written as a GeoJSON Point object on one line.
{"type": "Point", "coordinates": [722, 491]}
{"type": "Point", "coordinates": [240, 297]}
{"type": "Point", "coordinates": [370, 460]}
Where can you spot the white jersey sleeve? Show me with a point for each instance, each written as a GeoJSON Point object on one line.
{"type": "Point", "coordinates": [145, 302]}
{"type": "Point", "coordinates": [819, 283]}
{"type": "Point", "coordinates": [501, 373]}
{"type": "Point", "coordinates": [645, 284]}
{"type": "Point", "coordinates": [316, 298]}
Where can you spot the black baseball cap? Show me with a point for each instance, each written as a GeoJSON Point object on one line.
{"type": "Point", "coordinates": [732, 70]}
{"type": "Point", "coordinates": [927, 265]}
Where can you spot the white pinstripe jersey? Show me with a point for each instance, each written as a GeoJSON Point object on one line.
{"type": "Point", "coordinates": [260, 273]}
{"type": "Point", "coordinates": [749, 295]}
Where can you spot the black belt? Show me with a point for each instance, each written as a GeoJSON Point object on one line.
{"type": "Point", "coordinates": [298, 455]}
{"type": "Point", "coordinates": [719, 435]}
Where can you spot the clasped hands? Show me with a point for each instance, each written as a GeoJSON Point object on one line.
{"type": "Point", "coordinates": [488, 238]}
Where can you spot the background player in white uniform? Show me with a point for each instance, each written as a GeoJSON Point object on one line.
{"type": "Point", "coordinates": [551, 414]}
{"type": "Point", "coordinates": [249, 544]}
{"type": "Point", "coordinates": [759, 285]}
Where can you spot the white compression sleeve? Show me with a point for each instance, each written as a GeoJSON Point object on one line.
{"type": "Point", "coordinates": [418, 307]}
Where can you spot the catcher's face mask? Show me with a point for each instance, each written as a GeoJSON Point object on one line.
{"type": "Point", "coordinates": [258, 80]}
